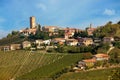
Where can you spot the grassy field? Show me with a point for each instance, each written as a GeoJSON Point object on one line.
{"type": "Point", "coordinates": [36, 65]}
{"type": "Point", "coordinates": [89, 75]}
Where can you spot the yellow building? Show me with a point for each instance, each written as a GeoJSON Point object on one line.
{"type": "Point", "coordinates": [87, 41]}
{"type": "Point", "coordinates": [52, 29]}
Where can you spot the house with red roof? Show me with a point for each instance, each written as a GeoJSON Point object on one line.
{"type": "Point", "coordinates": [101, 56]}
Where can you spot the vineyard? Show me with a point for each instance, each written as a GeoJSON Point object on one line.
{"type": "Point", "coordinates": [89, 75]}
{"type": "Point", "coordinates": [31, 65]}
{"type": "Point", "coordinates": [50, 70]}
{"type": "Point", "coordinates": [17, 63]}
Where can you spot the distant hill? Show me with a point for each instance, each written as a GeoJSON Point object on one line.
{"type": "Point", "coordinates": [12, 39]}
{"type": "Point", "coordinates": [108, 30]}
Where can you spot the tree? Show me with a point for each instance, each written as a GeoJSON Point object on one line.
{"type": "Point", "coordinates": [114, 58]}
{"type": "Point", "coordinates": [14, 32]}
{"type": "Point", "coordinates": [9, 35]}
{"type": "Point", "coordinates": [109, 23]}
{"type": "Point", "coordinates": [94, 49]}
{"type": "Point", "coordinates": [103, 48]}
{"type": "Point", "coordinates": [76, 34]}
{"type": "Point", "coordinates": [39, 28]}
{"type": "Point", "coordinates": [116, 44]}
{"type": "Point", "coordinates": [40, 34]}
{"type": "Point", "coordinates": [45, 35]}
{"type": "Point", "coordinates": [83, 34]}
{"type": "Point", "coordinates": [118, 22]}
{"type": "Point", "coordinates": [31, 37]}
{"type": "Point", "coordinates": [61, 33]}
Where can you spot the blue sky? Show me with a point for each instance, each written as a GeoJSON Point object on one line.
{"type": "Point", "coordinates": [14, 14]}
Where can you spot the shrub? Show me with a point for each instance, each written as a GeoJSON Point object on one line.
{"type": "Point", "coordinates": [116, 44]}
{"type": "Point", "coordinates": [50, 50]}
{"type": "Point", "coordinates": [73, 49]}
{"type": "Point", "coordinates": [115, 75]}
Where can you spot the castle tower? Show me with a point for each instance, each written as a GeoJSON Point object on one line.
{"type": "Point", "coordinates": [32, 22]}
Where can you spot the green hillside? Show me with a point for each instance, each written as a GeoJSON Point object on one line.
{"type": "Point", "coordinates": [108, 30]}
{"type": "Point", "coordinates": [24, 64]}
{"type": "Point", "coordinates": [12, 39]}
{"type": "Point", "coordinates": [89, 75]}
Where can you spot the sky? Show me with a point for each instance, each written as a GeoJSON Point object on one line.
{"type": "Point", "coordinates": [14, 14]}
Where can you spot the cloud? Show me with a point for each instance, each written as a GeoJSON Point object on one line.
{"type": "Point", "coordinates": [109, 12]}
{"type": "Point", "coordinates": [42, 6]}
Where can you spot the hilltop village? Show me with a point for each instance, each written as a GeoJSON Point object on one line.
{"type": "Point", "coordinates": [100, 46]}
{"type": "Point", "coordinates": [48, 37]}
{"type": "Point", "coordinates": [52, 35]}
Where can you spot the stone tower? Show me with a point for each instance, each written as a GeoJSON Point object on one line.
{"type": "Point", "coordinates": [32, 22]}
